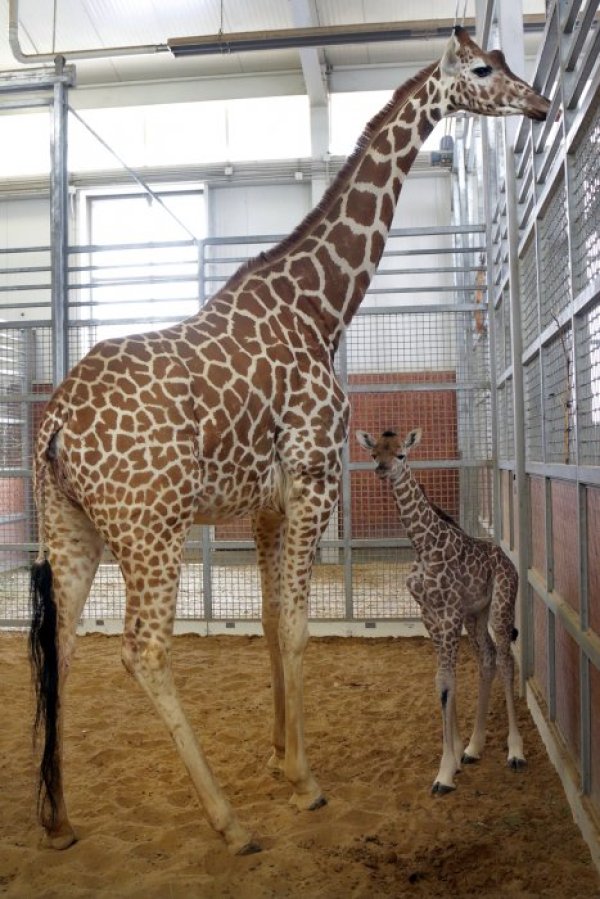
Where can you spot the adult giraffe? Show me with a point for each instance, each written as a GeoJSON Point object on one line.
{"type": "Point", "coordinates": [234, 411]}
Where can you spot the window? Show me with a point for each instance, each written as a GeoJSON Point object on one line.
{"type": "Point", "coordinates": [141, 268]}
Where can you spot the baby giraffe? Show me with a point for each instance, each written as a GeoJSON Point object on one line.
{"type": "Point", "coordinates": [456, 580]}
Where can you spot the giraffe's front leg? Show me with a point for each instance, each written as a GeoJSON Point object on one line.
{"type": "Point", "coordinates": [446, 638]}
{"type": "Point", "coordinates": [268, 535]}
{"type": "Point", "coordinates": [309, 507]}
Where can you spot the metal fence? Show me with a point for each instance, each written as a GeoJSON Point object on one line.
{"type": "Point", "coordinates": [416, 354]}
{"type": "Point", "coordinates": [544, 234]}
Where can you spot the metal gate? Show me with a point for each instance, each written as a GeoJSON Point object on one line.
{"type": "Point", "coordinates": [416, 354]}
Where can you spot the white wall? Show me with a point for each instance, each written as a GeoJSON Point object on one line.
{"type": "Point", "coordinates": [276, 209]}
{"type": "Point", "coordinates": [24, 223]}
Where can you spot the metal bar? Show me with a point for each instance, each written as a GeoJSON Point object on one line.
{"type": "Point", "coordinates": [581, 78]}
{"type": "Point", "coordinates": [429, 465]}
{"type": "Point", "coordinates": [583, 474]}
{"type": "Point", "coordinates": [346, 497]}
{"type": "Point", "coordinates": [551, 660]}
{"type": "Point", "coordinates": [585, 727]}
{"type": "Point", "coordinates": [207, 572]}
{"type": "Point", "coordinates": [421, 309]}
{"type": "Point", "coordinates": [587, 641]}
{"type": "Point", "coordinates": [37, 79]}
{"type": "Point", "coordinates": [31, 103]}
{"type": "Point", "coordinates": [581, 34]}
{"type": "Point", "coordinates": [416, 387]}
{"type": "Point", "coordinates": [59, 227]}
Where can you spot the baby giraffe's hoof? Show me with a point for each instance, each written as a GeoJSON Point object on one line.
{"type": "Point", "coordinates": [516, 764]}
{"type": "Point", "coordinates": [249, 848]}
{"type": "Point", "coordinates": [469, 759]}
{"type": "Point", "coordinates": [439, 789]}
{"type": "Point", "coordinates": [304, 804]}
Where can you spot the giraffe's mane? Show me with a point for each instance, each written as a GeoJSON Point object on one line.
{"type": "Point", "coordinates": [401, 94]}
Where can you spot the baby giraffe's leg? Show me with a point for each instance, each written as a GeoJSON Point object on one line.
{"type": "Point", "coordinates": [502, 622]}
{"type": "Point", "coordinates": [485, 650]}
{"type": "Point", "coordinates": [447, 637]}
{"type": "Point", "coordinates": [434, 623]}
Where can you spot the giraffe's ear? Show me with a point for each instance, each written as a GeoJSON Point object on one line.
{"type": "Point", "coordinates": [365, 440]}
{"type": "Point", "coordinates": [413, 438]}
{"type": "Point", "coordinates": [450, 61]}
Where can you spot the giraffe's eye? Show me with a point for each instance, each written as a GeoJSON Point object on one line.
{"type": "Point", "coordinates": [482, 71]}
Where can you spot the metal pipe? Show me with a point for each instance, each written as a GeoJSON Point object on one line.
{"type": "Point", "coordinates": [285, 38]}
{"type": "Point", "coordinates": [59, 229]}
{"type": "Point", "coordinates": [98, 53]}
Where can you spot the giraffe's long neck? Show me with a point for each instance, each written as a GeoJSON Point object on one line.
{"type": "Point", "coordinates": [421, 522]}
{"type": "Point", "coordinates": [324, 268]}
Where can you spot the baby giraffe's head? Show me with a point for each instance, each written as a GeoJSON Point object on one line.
{"type": "Point", "coordinates": [390, 451]}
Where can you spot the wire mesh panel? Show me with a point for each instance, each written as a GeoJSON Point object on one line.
{"type": "Point", "coordinates": [555, 287]}
{"type": "Point", "coordinates": [533, 410]}
{"type": "Point", "coordinates": [529, 293]}
{"type": "Point", "coordinates": [506, 426]}
{"type": "Point", "coordinates": [379, 588]}
{"type": "Point", "coordinates": [557, 363]}
{"type": "Point", "coordinates": [500, 360]}
{"type": "Point", "coordinates": [588, 386]}
{"type": "Point", "coordinates": [585, 197]}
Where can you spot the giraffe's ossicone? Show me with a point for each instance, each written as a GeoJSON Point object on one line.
{"type": "Point", "coordinates": [235, 411]}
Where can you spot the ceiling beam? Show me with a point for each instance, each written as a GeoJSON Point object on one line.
{"type": "Point", "coordinates": [304, 15]}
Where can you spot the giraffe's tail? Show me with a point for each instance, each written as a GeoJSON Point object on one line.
{"type": "Point", "coordinates": [43, 652]}
{"type": "Point", "coordinates": [43, 655]}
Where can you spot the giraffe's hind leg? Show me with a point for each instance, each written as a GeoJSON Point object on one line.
{"type": "Point", "coordinates": [502, 624]}
{"type": "Point", "coordinates": [60, 587]}
{"type": "Point", "coordinates": [485, 650]}
{"type": "Point", "coordinates": [268, 534]}
{"type": "Point", "coordinates": [151, 575]}
{"type": "Point", "coordinates": [309, 505]}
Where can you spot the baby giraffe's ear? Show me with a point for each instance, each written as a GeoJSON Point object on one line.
{"type": "Point", "coordinates": [413, 438]}
{"type": "Point", "coordinates": [365, 440]}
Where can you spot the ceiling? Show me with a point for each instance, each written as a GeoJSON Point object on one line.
{"type": "Point", "coordinates": [93, 28]}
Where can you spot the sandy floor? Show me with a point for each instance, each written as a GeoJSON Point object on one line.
{"type": "Point", "coordinates": [373, 735]}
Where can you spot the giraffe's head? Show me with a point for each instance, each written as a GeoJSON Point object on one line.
{"type": "Point", "coordinates": [390, 451]}
{"type": "Point", "coordinates": [480, 81]}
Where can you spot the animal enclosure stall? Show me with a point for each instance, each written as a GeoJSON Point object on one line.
{"type": "Point", "coordinates": [483, 331]}
{"type": "Point", "coordinates": [417, 353]}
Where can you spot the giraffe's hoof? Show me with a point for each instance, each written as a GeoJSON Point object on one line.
{"type": "Point", "coordinates": [439, 789]}
{"type": "Point", "coordinates": [305, 804]}
{"type": "Point", "coordinates": [61, 840]}
{"type": "Point", "coordinates": [249, 848]}
{"type": "Point", "coordinates": [276, 763]}
{"type": "Point", "coordinates": [516, 764]}
{"type": "Point", "coordinates": [469, 759]}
